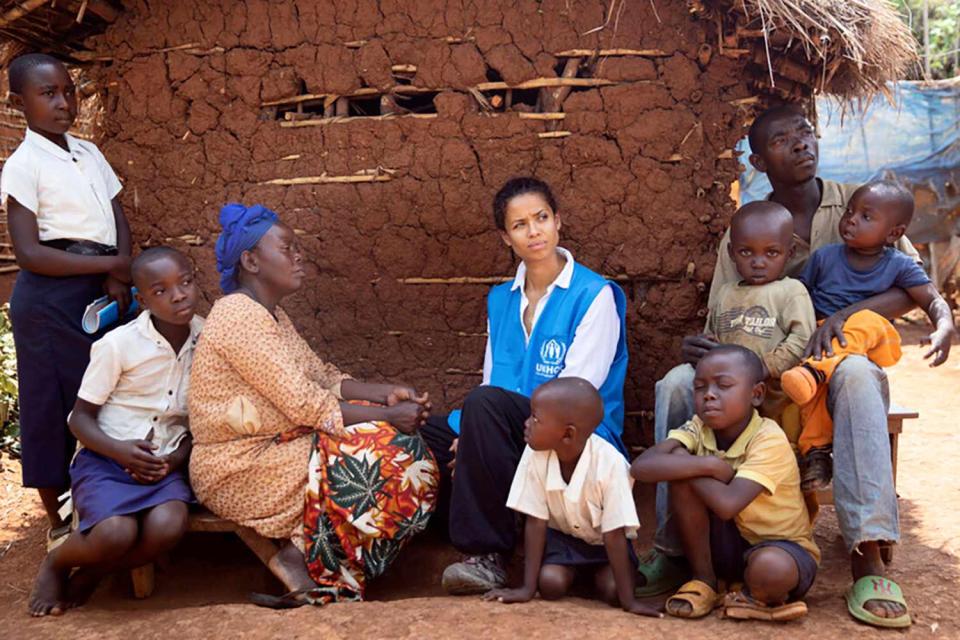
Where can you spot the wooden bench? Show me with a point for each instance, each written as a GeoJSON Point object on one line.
{"type": "Point", "coordinates": [204, 521]}
{"type": "Point", "coordinates": [895, 417]}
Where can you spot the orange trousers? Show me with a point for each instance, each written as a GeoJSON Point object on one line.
{"type": "Point", "coordinates": [868, 334]}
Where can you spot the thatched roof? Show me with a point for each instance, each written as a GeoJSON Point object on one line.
{"type": "Point", "coordinates": [793, 48]}
{"type": "Point", "coordinates": [53, 26]}
{"type": "Point", "coordinates": [847, 48]}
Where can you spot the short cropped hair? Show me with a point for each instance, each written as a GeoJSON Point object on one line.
{"type": "Point", "coordinates": [517, 187]}
{"type": "Point", "coordinates": [899, 195]}
{"type": "Point", "coordinates": [153, 254]}
{"type": "Point", "coordinates": [750, 359]}
{"type": "Point", "coordinates": [758, 130]}
{"type": "Point", "coordinates": [20, 68]}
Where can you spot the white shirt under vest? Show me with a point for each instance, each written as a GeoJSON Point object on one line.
{"type": "Point", "coordinates": [595, 341]}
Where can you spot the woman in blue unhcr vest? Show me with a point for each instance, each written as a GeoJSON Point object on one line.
{"type": "Point", "coordinates": [555, 318]}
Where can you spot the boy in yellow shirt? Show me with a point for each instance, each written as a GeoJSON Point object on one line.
{"type": "Point", "coordinates": [735, 491]}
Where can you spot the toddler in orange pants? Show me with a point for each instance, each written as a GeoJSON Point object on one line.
{"type": "Point", "coordinates": [842, 279]}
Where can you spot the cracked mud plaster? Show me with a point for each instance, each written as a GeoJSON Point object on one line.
{"type": "Point", "coordinates": [186, 131]}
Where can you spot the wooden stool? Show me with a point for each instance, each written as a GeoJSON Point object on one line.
{"type": "Point", "coordinates": [204, 521]}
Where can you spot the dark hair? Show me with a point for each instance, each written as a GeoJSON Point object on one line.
{"type": "Point", "coordinates": [151, 255]}
{"type": "Point", "coordinates": [758, 130]}
{"type": "Point", "coordinates": [749, 358]}
{"type": "Point", "coordinates": [21, 67]}
{"type": "Point", "coordinates": [517, 187]}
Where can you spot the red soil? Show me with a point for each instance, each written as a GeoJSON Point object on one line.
{"type": "Point", "coordinates": [201, 591]}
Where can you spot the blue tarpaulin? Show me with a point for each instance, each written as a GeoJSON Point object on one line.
{"type": "Point", "coordinates": [915, 141]}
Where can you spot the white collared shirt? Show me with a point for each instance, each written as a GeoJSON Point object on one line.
{"type": "Point", "coordinates": [70, 192]}
{"type": "Point", "coordinates": [595, 341]}
{"type": "Point", "coordinates": [598, 499]}
{"type": "Point", "coordinates": [140, 383]}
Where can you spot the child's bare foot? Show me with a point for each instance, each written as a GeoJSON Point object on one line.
{"type": "Point", "coordinates": [81, 586]}
{"type": "Point", "coordinates": [47, 591]}
{"type": "Point", "coordinates": [817, 470]}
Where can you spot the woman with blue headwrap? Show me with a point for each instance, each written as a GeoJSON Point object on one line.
{"type": "Point", "coordinates": [288, 445]}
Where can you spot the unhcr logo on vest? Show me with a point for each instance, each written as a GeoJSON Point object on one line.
{"type": "Point", "coordinates": [552, 353]}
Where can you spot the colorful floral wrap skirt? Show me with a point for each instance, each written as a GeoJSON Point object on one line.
{"type": "Point", "coordinates": [368, 493]}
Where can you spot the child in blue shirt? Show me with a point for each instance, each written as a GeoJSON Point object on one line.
{"type": "Point", "coordinates": [838, 277]}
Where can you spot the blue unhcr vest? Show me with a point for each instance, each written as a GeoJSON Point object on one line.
{"type": "Point", "coordinates": [522, 367]}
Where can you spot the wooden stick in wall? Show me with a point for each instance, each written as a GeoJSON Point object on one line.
{"type": "Point", "coordinates": [647, 53]}
{"type": "Point", "coordinates": [541, 116]}
{"type": "Point", "coordinates": [328, 180]}
{"type": "Point", "coordinates": [552, 98]}
{"type": "Point", "coordinates": [539, 83]}
{"type": "Point", "coordinates": [319, 122]}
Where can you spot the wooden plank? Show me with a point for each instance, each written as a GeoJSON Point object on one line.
{"type": "Point", "coordinates": [205, 521]}
{"type": "Point", "coordinates": [903, 413]}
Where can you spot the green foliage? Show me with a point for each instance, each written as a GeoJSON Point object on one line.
{"type": "Point", "coordinates": [9, 410]}
{"type": "Point", "coordinates": [944, 27]}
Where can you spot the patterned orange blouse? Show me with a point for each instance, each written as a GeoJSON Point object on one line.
{"type": "Point", "coordinates": [254, 377]}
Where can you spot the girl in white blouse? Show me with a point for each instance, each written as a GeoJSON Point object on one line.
{"type": "Point", "coordinates": [72, 243]}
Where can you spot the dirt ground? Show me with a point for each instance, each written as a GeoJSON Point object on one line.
{"type": "Point", "coordinates": [201, 591]}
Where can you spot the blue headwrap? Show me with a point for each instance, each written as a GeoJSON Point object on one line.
{"type": "Point", "coordinates": [242, 229]}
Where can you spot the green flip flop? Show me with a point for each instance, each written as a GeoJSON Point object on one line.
{"type": "Point", "coordinates": [876, 588]}
{"type": "Point", "coordinates": [662, 575]}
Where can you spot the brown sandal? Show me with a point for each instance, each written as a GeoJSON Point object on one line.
{"type": "Point", "coordinates": [740, 606]}
{"type": "Point", "coordinates": [701, 597]}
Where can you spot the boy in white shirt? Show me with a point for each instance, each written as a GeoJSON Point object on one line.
{"type": "Point", "coordinates": [575, 490]}
{"type": "Point", "coordinates": [129, 481]}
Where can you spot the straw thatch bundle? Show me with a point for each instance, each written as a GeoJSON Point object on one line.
{"type": "Point", "coordinates": [850, 48]}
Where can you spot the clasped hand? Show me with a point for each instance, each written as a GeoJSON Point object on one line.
{"type": "Point", "coordinates": [408, 409]}
{"type": "Point", "coordinates": [137, 458]}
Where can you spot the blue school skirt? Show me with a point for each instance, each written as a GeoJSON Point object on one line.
{"type": "Point", "coordinates": [101, 489]}
{"type": "Point", "coordinates": [52, 354]}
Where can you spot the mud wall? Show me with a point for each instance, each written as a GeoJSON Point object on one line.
{"type": "Point", "coordinates": [641, 189]}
